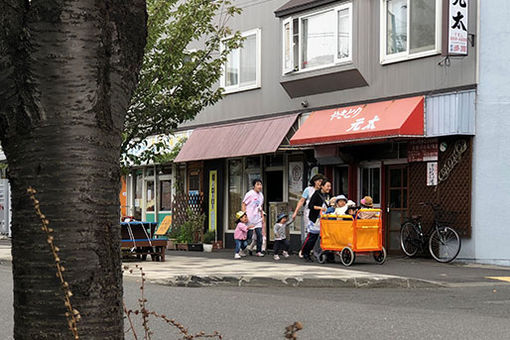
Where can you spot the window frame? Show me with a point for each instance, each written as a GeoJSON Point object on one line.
{"type": "Point", "coordinates": [403, 56]}
{"type": "Point", "coordinates": [369, 166]}
{"type": "Point", "coordinates": [290, 20]}
{"type": "Point", "coordinates": [258, 64]}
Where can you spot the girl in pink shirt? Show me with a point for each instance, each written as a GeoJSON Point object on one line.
{"type": "Point", "coordinates": [240, 234]}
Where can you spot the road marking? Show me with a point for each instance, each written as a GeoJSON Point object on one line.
{"type": "Point", "coordinates": [500, 278]}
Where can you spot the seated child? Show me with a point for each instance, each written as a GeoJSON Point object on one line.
{"type": "Point", "coordinates": [367, 203]}
{"type": "Point", "coordinates": [341, 205]}
{"type": "Point", "coordinates": [280, 236]}
{"type": "Point", "coordinates": [332, 205]}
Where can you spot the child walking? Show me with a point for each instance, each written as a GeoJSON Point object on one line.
{"type": "Point", "coordinates": [240, 234]}
{"type": "Point", "coordinates": [280, 237]}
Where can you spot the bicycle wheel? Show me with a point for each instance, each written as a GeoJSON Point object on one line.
{"type": "Point", "coordinates": [409, 239]}
{"type": "Point", "coordinates": [444, 244]}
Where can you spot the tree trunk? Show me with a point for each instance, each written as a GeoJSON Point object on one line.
{"type": "Point", "coordinates": [68, 69]}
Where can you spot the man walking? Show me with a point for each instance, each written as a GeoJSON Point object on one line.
{"type": "Point", "coordinates": [253, 205]}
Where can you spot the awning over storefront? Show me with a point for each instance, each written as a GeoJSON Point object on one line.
{"type": "Point", "coordinates": [388, 119]}
{"type": "Point", "coordinates": [234, 140]}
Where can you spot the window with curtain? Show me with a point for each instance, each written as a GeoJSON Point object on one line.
{"type": "Point", "coordinates": [410, 28]}
{"type": "Point", "coordinates": [242, 67]}
{"type": "Point", "coordinates": [319, 39]}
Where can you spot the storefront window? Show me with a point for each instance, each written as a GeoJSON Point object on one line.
{"type": "Point", "coordinates": [150, 196]}
{"type": "Point", "coordinates": [253, 162]}
{"type": "Point", "coordinates": [341, 181]}
{"type": "Point", "coordinates": [371, 184]}
{"type": "Point", "coordinates": [165, 195]}
{"type": "Point", "coordinates": [296, 173]}
{"type": "Point", "coordinates": [138, 190]}
{"type": "Point", "coordinates": [274, 161]}
{"type": "Point", "coordinates": [235, 170]}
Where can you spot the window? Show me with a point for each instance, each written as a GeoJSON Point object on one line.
{"type": "Point", "coordinates": [370, 184]}
{"type": "Point", "coordinates": [318, 39]}
{"type": "Point", "coordinates": [165, 195]}
{"type": "Point", "coordinates": [242, 68]}
{"type": "Point", "coordinates": [410, 29]}
{"type": "Point", "coordinates": [235, 171]}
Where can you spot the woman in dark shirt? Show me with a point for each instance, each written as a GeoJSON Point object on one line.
{"type": "Point", "coordinates": [317, 204]}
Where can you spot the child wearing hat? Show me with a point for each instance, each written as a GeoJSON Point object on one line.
{"type": "Point", "coordinates": [280, 236]}
{"type": "Point", "coordinates": [241, 233]}
{"type": "Point", "coordinates": [367, 203]}
{"type": "Point", "coordinates": [341, 205]}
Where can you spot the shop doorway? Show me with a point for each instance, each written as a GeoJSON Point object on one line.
{"type": "Point", "coordinates": [396, 204]}
{"type": "Point", "coordinates": [273, 192]}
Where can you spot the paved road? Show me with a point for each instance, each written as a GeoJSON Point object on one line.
{"type": "Point", "coordinates": [480, 312]}
{"type": "Point", "coordinates": [262, 313]}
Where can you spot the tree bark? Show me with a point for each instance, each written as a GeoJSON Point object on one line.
{"type": "Point", "coordinates": [68, 69]}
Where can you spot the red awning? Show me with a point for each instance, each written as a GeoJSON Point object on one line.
{"type": "Point", "coordinates": [234, 140]}
{"type": "Point", "coordinates": [393, 118]}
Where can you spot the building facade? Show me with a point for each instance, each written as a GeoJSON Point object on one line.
{"type": "Point", "coordinates": [382, 96]}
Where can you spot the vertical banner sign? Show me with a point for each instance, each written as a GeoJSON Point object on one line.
{"type": "Point", "coordinates": [431, 174]}
{"type": "Point", "coordinates": [458, 27]}
{"type": "Point", "coordinates": [213, 199]}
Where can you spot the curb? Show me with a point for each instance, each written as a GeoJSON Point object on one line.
{"type": "Point", "coordinates": [307, 282]}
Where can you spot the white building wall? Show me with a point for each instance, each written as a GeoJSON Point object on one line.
{"type": "Point", "coordinates": [490, 242]}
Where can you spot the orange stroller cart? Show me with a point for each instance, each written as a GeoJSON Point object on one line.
{"type": "Point", "coordinates": [348, 236]}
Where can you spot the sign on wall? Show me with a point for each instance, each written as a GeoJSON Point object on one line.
{"type": "Point", "coordinates": [432, 174]}
{"type": "Point", "coordinates": [213, 199]}
{"type": "Point", "coordinates": [423, 150]}
{"type": "Point", "coordinates": [458, 27]}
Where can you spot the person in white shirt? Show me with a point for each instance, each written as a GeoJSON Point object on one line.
{"type": "Point", "coordinates": [315, 184]}
{"type": "Point", "coordinates": [253, 203]}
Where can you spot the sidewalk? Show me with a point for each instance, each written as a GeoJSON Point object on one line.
{"type": "Point", "coordinates": [193, 269]}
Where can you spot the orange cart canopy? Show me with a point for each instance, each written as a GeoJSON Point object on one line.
{"type": "Point", "coordinates": [388, 119]}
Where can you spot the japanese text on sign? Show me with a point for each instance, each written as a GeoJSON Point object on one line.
{"type": "Point", "coordinates": [458, 27]}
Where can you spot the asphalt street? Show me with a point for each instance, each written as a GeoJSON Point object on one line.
{"type": "Point", "coordinates": [472, 312]}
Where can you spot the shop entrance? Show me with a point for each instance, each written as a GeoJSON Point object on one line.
{"type": "Point", "coordinates": [396, 204]}
{"type": "Point", "coordinates": [273, 192]}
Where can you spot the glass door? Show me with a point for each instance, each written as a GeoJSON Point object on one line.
{"type": "Point", "coordinates": [397, 203]}
{"type": "Point", "coordinates": [370, 183]}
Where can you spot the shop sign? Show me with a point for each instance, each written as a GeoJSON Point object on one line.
{"type": "Point", "coordinates": [213, 198]}
{"type": "Point", "coordinates": [460, 147]}
{"type": "Point", "coordinates": [458, 27]}
{"type": "Point", "coordinates": [423, 151]}
{"type": "Point", "coordinates": [432, 174]}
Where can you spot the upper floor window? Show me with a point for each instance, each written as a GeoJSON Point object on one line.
{"type": "Point", "coordinates": [242, 69]}
{"type": "Point", "coordinates": [410, 29]}
{"type": "Point", "coordinates": [319, 39]}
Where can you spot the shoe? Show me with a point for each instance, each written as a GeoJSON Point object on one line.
{"type": "Point", "coordinates": [242, 253]}
{"type": "Point", "coordinates": [285, 254]}
{"type": "Point", "coordinates": [300, 254]}
{"type": "Point", "coordinates": [259, 255]}
{"type": "Point", "coordinates": [276, 257]}
{"type": "Point", "coordinates": [308, 259]}
{"type": "Point", "coordinates": [237, 256]}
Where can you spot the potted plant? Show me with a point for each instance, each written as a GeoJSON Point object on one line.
{"type": "Point", "coordinates": [208, 241]}
{"type": "Point", "coordinates": [190, 232]}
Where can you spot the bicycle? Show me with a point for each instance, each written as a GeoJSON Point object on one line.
{"type": "Point", "coordinates": [443, 241]}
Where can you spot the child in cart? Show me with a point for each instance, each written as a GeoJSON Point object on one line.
{"type": "Point", "coordinates": [241, 233]}
{"type": "Point", "coordinates": [280, 237]}
{"type": "Point", "coordinates": [367, 203]}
